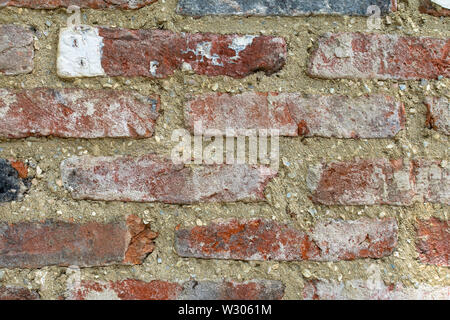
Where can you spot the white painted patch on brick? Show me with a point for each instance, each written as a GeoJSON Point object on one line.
{"type": "Point", "coordinates": [154, 67]}
{"type": "Point", "coordinates": [6, 99]}
{"type": "Point", "coordinates": [442, 3]}
{"type": "Point", "coordinates": [80, 52]}
{"type": "Point", "coordinates": [202, 51]}
{"type": "Point", "coordinates": [240, 44]}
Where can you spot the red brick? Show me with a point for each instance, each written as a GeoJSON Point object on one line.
{"type": "Point", "coordinates": [380, 56]}
{"type": "Point", "coordinates": [87, 51]}
{"type": "Point", "coordinates": [372, 289]}
{"type": "Point", "coordinates": [16, 50]}
{"type": "Point", "coordinates": [357, 182]}
{"type": "Point", "coordinates": [17, 293]}
{"type": "Point", "coordinates": [39, 244]}
{"type": "Point", "coordinates": [433, 241]}
{"type": "Point", "coordinates": [426, 6]}
{"type": "Point", "coordinates": [93, 4]}
{"type": "Point", "coordinates": [76, 113]}
{"type": "Point", "coordinates": [125, 290]}
{"type": "Point", "coordinates": [152, 178]}
{"type": "Point", "coordinates": [380, 181]}
{"type": "Point", "coordinates": [438, 116]}
{"type": "Point", "coordinates": [258, 239]}
{"type": "Point", "coordinates": [294, 114]}
{"type": "Point", "coordinates": [20, 167]}
{"type": "Point", "coordinates": [191, 290]}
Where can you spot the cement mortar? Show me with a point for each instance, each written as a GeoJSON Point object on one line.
{"type": "Point", "coordinates": [48, 199]}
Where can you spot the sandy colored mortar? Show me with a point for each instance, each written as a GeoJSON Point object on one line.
{"type": "Point", "coordinates": [48, 199]}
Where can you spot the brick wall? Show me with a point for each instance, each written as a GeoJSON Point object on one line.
{"type": "Point", "coordinates": [91, 205]}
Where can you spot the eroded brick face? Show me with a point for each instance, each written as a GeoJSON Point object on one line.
{"type": "Point", "coordinates": [152, 178]}
{"type": "Point", "coordinates": [294, 114]}
{"type": "Point", "coordinates": [52, 243]}
{"type": "Point", "coordinates": [16, 50]}
{"type": "Point", "coordinates": [76, 113]}
{"type": "Point", "coordinates": [282, 7]}
{"type": "Point", "coordinates": [379, 56]}
{"type": "Point", "coordinates": [433, 241]}
{"type": "Point", "coordinates": [427, 6]}
{"type": "Point", "coordinates": [191, 290]}
{"type": "Point", "coordinates": [372, 289]}
{"type": "Point", "coordinates": [380, 181]}
{"type": "Point", "coordinates": [259, 239]}
{"type": "Point", "coordinates": [125, 290]}
{"type": "Point", "coordinates": [93, 4]}
{"type": "Point", "coordinates": [17, 293]}
{"type": "Point", "coordinates": [87, 51]}
{"type": "Point", "coordinates": [438, 117]}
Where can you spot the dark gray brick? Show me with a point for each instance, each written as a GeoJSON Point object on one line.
{"type": "Point", "coordinates": [281, 7]}
{"type": "Point", "coordinates": [12, 187]}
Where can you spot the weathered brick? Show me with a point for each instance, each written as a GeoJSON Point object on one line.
{"type": "Point", "coordinates": [258, 239]}
{"type": "Point", "coordinates": [438, 116]}
{"type": "Point", "coordinates": [433, 241]}
{"type": "Point", "coordinates": [379, 56]}
{"type": "Point", "coordinates": [13, 182]}
{"type": "Point", "coordinates": [427, 6]}
{"type": "Point", "coordinates": [191, 290]}
{"type": "Point", "coordinates": [151, 178]}
{"type": "Point", "coordinates": [16, 50]}
{"type": "Point", "coordinates": [293, 114]}
{"type": "Point", "coordinates": [93, 4]}
{"type": "Point", "coordinates": [86, 51]}
{"type": "Point", "coordinates": [125, 290]}
{"type": "Point", "coordinates": [359, 289]}
{"type": "Point", "coordinates": [39, 244]}
{"type": "Point", "coordinates": [17, 293]}
{"type": "Point", "coordinates": [380, 181]}
{"type": "Point", "coordinates": [369, 182]}
{"type": "Point", "coordinates": [281, 7]}
{"type": "Point", "coordinates": [232, 290]}
{"type": "Point", "coordinates": [76, 113]}
{"type": "Point", "coordinates": [431, 181]}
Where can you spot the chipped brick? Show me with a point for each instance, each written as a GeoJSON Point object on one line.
{"type": "Point", "coordinates": [53, 243]}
